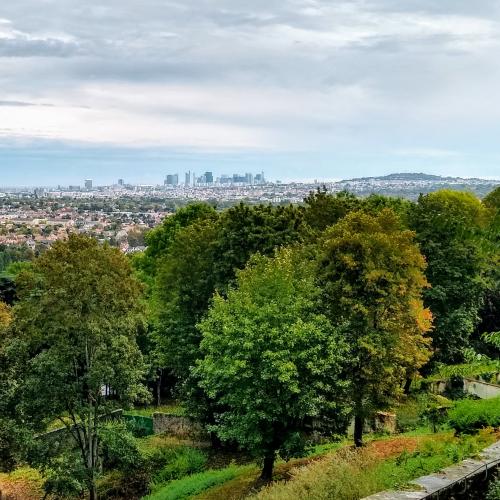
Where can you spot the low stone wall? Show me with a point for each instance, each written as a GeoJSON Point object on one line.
{"type": "Point", "coordinates": [462, 481]}
{"type": "Point", "coordinates": [380, 422]}
{"type": "Point", "coordinates": [481, 389]}
{"type": "Point", "coordinates": [177, 425]}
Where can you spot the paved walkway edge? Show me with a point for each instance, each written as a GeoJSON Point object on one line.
{"type": "Point", "coordinates": [457, 478]}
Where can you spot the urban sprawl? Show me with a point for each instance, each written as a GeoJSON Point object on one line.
{"type": "Point", "coordinates": [122, 213]}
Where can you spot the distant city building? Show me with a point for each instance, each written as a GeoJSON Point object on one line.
{"type": "Point", "coordinates": [172, 180]}
{"type": "Point", "coordinates": [259, 178]}
{"type": "Point", "coordinates": [121, 182]}
{"type": "Point", "coordinates": [187, 179]}
{"type": "Point", "coordinates": [88, 183]}
{"type": "Point", "coordinates": [209, 178]}
{"type": "Point", "coordinates": [239, 179]}
{"type": "Point", "coordinates": [249, 178]}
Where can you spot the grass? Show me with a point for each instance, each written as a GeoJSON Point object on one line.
{"type": "Point", "coordinates": [150, 444]}
{"type": "Point", "coordinates": [351, 474]}
{"type": "Point", "coordinates": [23, 482]}
{"type": "Point", "coordinates": [196, 483]}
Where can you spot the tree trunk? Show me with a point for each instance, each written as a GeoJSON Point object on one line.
{"type": "Point", "coordinates": [93, 492]}
{"type": "Point", "coordinates": [359, 423]}
{"type": "Point", "coordinates": [267, 469]}
{"type": "Point", "coordinates": [158, 387]}
{"type": "Point", "coordinates": [215, 441]}
{"type": "Point", "coordinates": [407, 386]}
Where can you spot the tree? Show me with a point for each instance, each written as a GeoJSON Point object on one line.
{"type": "Point", "coordinates": [184, 286]}
{"type": "Point", "coordinates": [76, 324]}
{"type": "Point", "coordinates": [371, 274]}
{"type": "Point", "coordinates": [7, 383]}
{"type": "Point", "coordinates": [160, 238]}
{"type": "Point", "coordinates": [323, 209]}
{"type": "Point", "coordinates": [271, 361]}
{"type": "Point", "coordinates": [244, 230]}
{"type": "Point", "coordinates": [449, 227]}
{"type": "Point", "coordinates": [490, 311]}
{"type": "Point", "coordinates": [492, 199]}
{"type": "Point", "coordinates": [204, 257]}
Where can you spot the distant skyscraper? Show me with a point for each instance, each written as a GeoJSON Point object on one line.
{"type": "Point", "coordinates": [187, 179]}
{"type": "Point", "coordinates": [88, 183]}
{"type": "Point", "coordinates": [259, 178]}
{"type": "Point", "coordinates": [249, 178]}
{"type": "Point", "coordinates": [209, 177]}
{"type": "Point", "coordinates": [172, 180]}
{"type": "Point", "coordinates": [121, 182]}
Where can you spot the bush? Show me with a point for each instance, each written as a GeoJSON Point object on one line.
{"type": "Point", "coordinates": [66, 477]}
{"type": "Point", "coordinates": [178, 462]}
{"type": "Point", "coordinates": [119, 447]}
{"type": "Point", "coordinates": [468, 416]}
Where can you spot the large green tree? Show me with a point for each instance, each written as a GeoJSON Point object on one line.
{"type": "Point", "coordinates": [204, 257]}
{"type": "Point", "coordinates": [450, 230]}
{"type": "Point", "coordinates": [75, 325]}
{"type": "Point", "coordinates": [323, 209]}
{"type": "Point", "coordinates": [7, 391]}
{"type": "Point", "coordinates": [271, 361]}
{"type": "Point", "coordinates": [490, 311]}
{"type": "Point", "coordinates": [371, 275]}
{"type": "Point", "coordinates": [184, 285]}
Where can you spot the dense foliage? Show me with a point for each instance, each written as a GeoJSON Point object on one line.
{"type": "Point", "coordinates": [74, 329]}
{"type": "Point", "coordinates": [371, 277]}
{"type": "Point", "coordinates": [271, 361]}
{"type": "Point", "coordinates": [469, 415]}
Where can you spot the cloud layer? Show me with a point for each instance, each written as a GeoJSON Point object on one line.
{"type": "Point", "coordinates": [377, 77]}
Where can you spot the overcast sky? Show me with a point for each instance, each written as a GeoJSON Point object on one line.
{"type": "Point", "coordinates": [299, 89]}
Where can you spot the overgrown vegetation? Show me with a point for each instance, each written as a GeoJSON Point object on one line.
{"type": "Point", "coordinates": [468, 416]}
{"type": "Point", "coordinates": [359, 473]}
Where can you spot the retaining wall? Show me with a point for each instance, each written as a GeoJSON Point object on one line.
{"type": "Point", "coordinates": [481, 389]}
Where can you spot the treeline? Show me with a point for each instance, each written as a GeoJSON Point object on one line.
{"type": "Point", "coordinates": [265, 321]}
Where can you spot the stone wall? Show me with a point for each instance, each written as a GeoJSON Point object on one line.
{"type": "Point", "coordinates": [380, 422]}
{"type": "Point", "coordinates": [177, 425]}
{"type": "Point", "coordinates": [480, 389]}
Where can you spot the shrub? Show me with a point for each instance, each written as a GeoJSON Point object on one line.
{"type": "Point", "coordinates": [468, 415]}
{"type": "Point", "coordinates": [119, 447]}
{"type": "Point", "coordinates": [178, 462]}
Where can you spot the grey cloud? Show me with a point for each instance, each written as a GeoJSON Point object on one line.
{"type": "Point", "coordinates": [22, 104]}
{"type": "Point", "coordinates": [292, 44]}
{"type": "Point", "coordinates": [27, 47]}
